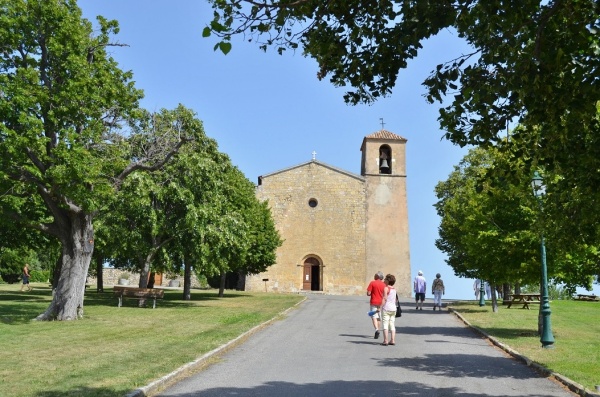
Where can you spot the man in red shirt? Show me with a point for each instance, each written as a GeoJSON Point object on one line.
{"type": "Point", "coordinates": [375, 291]}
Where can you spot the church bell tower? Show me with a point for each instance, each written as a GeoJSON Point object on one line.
{"type": "Point", "coordinates": [383, 166]}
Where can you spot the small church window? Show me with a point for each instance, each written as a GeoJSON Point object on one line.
{"type": "Point", "coordinates": [313, 202]}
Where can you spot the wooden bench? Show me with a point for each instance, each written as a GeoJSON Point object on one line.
{"type": "Point", "coordinates": [524, 299]}
{"type": "Point", "coordinates": [589, 298]}
{"type": "Point", "coordinates": [138, 293]}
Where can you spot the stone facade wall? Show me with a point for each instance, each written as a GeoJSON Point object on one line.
{"type": "Point", "coordinates": [333, 231]}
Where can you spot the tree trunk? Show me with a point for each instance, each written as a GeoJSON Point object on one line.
{"type": "Point", "coordinates": [76, 255]}
{"type": "Point", "coordinates": [494, 298]}
{"type": "Point", "coordinates": [222, 284]}
{"type": "Point", "coordinates": [145, 273]}
{"type": "Point", "coordinates": [99, 275]}
{"type": "Point", "coordinates": [505, 293]}
{"type": "Point", "coordinates": [241, 284]}
{"type": "Point", "coordinates": [144, 276]}
{"type": "Point", "coordinates": [187, 280]}
{"type": "Point", "coordinates": [56, 273]}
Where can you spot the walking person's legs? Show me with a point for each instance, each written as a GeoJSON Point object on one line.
{"type": "Point", "coordinates": [437, 299]}
{"type": "Point", "coordinates": [393, 328]}
{"type": "Point", "coordinates": [376, 320]}
{"type": "Point", "coordinates": [386, 323]}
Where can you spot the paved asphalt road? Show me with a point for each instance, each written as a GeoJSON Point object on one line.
{"type": "Point", "coordinates": [325, 347]}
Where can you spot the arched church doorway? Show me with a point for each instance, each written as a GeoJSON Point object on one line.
{"type": "Point", "coordinates": [311, 278]}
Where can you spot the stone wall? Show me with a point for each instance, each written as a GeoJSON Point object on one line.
{"type": "Point", "coordinates": [111, 277]}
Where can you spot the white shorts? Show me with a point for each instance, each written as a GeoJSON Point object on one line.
{"type": "Point", "coordinates": [376, 315]}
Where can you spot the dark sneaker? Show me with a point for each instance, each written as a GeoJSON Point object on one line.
{"type": "Point", "coordinates": [376, 334]}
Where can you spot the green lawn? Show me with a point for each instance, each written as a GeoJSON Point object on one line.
{"type": "Point", "coordinates": [576, 329]}
{"type": "Point", "coordinates": [115, 350]}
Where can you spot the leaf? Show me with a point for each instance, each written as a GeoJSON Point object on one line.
{"type": "Point", "coordinates": [225, 47]}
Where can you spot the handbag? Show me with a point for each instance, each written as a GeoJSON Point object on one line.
{"type": "Point", "coordinates": [398, 308]}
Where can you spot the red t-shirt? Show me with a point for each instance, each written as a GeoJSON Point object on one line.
{"type": "Point", "coordinates": [376, 288]}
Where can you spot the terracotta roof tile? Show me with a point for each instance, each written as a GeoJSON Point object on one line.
{"type": "Point", "coordinates": [385, 134]}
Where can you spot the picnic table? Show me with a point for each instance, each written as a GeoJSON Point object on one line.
{"type": "Point", "coordinates": [524, 299]}
{"type": "Point", "coordinates": [589, 298]}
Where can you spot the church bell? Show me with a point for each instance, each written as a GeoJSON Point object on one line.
{"type": "Point", "coordinates": [384, 166]}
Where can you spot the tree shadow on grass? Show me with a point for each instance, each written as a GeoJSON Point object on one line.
{"type": "Point", "coordinates": [172, 298]}
{"type": "Point", "coordinates": [22, 307]}
{"type": "Point", "coordinates": [83, 391]}
{"type": "Point", "coordinates": [511, 333]}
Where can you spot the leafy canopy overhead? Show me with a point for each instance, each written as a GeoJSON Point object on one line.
{"type": "Point", "coordinates": [533, 62]}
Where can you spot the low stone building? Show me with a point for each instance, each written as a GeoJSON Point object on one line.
{"type": "Point", "coordinates": [339, 228]}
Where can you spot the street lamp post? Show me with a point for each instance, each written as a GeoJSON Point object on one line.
{"type": "Point", "coordinates": [546, 338]}
{"type": "Point", "coordinates": [481, 293]}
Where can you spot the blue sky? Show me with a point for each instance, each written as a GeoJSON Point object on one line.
{"type": "Point", "coordinates": [269, 112]}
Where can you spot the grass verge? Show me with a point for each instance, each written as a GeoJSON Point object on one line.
{"type": "Point", "coordinates": [576, 329]}
{"type": "Point", "coordinates": [113, 351]}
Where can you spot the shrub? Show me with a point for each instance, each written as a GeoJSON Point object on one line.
{"type": "Point", "coordinates": [39, 276]}
{"type": "Point", "coordinates": [10, 278]}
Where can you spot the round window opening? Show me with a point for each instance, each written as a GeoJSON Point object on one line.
{"type": "Point", "coordinates": [313, 202]}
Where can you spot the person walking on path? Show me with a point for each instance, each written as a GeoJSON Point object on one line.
{"type": "Point", "coordinates": [420, 286]}
{"type": "Point", "coordinates": [388, 310]}
{"type": "Point", "coordinates": [26, 278]}
{"type": "Point", "coordinates": [375, 291]}
{"type": "Point", "coordinates": [437, 289]}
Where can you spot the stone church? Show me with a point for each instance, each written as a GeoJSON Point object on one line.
{"type": "Point", "coordinates": [339, 228]}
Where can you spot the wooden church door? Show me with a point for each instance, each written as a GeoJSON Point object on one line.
{"type": "Point", "coordinates": [311, 275]}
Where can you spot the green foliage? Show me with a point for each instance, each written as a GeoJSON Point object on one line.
{"type": "Point", "coordinates": [71, 132]}
{"type": "Point", "coordinates": [533, 63]}
{"type": "Point", "coordinates": [487, 222]}
{"type": "Point", "coordinates": [12, 262]}
{"type": "Point", "coordinates": [491, 225]}
{"type": "Point", "coordinates": [198, 211]}
{"type": "Point", "coordinates": [39, 276]}
{"type": "Point", "coordinates": [53, 107]}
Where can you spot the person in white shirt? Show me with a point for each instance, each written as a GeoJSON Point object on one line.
{"type": "Point", "coordinates": [420, 286]}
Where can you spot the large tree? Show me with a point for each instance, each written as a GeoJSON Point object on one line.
{"type": "Point", "coordinates": [226, 228]}
{"type": "Point", "coordinates": [149, 209]}
{"type": "Point", "coordinates": [535, 63]}
{"type": "Point", "coordinates": [491, 225]}
{"type": "Point", "coordinates": [487, 224]}
{"type": "Point", "coordinates": [69, 121]}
